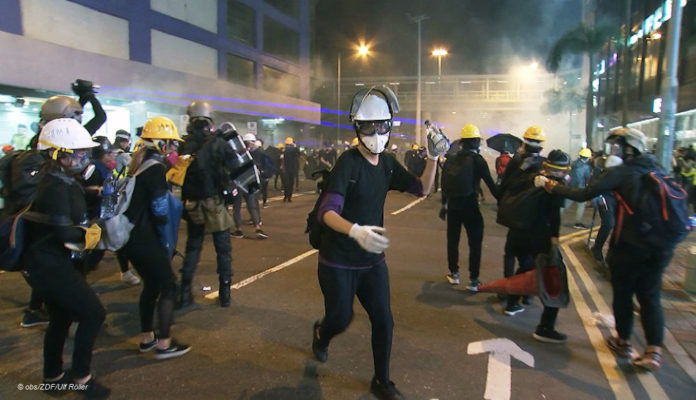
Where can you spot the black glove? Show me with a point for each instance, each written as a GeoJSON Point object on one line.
{"type": "Point", "coordinates": [84, 88]}
{"type": "Point", "coordinates": [443, 212]}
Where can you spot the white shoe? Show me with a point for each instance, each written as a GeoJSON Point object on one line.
{"type": "Point", "coordinates": [130, 278]}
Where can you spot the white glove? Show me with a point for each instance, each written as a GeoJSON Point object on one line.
{"type": "Point", "coordinates": [438, 143]}
{"type": "Point", "coordinates": [369, 237]}
{"type": "Point", "coordinates": [540, 181]}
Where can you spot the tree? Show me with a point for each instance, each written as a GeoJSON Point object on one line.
{"type": "Point", "coordinates": [586, 40]}
{"type": "Point", "coordinates": [569, 98]}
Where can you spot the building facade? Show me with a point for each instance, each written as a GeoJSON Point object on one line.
{"type": "Point", "coordinates": [248, 58]}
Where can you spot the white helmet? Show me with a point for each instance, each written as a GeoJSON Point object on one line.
{"type": "Point", "coordinates": [377, 103]}
{"type": "Point", "coordinates": [65, 134]}
{"type": "Point", "coordinates": [249, 137]}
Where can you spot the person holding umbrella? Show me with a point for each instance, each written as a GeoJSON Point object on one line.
{"type": "Point", "coordinates": [507, 144]}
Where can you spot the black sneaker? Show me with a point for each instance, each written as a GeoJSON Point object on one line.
{"type": "Point", "coordinates": [174, 350]}
{"type": "Point", "coordinates": [579, 225]}
{"type": "Point", "coordinates": [513, 309]}
{"type": "Point", "coordinates": [321, 353]}
{"type": "Point", "coordinates": [620, 347]}
{"type": "Point", "coordinates": [238, 234]}
{"type": "Point", "coordinates": [34, 318]}
{"type": "Point", "coordinates": [92, 389]}
{"type": "Point", "coordinates": [57, 387]}
{"type": "Point", "coordinates": [265, 205]}
{"type": "Point", "coordinates": [527, 300]}
{"type": "Point", "coordinates": [385, 391]}
{"type": "Point", "coordinates": [145, 347]}
{"type": "Point", "coordinates": [261, 234]}
{"type": "Point", "coordinates": [549, 335]}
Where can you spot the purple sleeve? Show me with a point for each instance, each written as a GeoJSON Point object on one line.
{"type": "Point", "coordinates": [332, 201]}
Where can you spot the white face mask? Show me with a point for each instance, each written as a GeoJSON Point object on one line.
{"type": "Point", "coordinates": [375, 143]}
{"type": "Point", "coordinates": [612, 161]}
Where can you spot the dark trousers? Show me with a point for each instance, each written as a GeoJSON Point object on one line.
{"type": "Point", "coordinates": [289, 183]}
{"type": "Point", "coordinates": [606, 225]}
{"type": "Point", "coordinates": [525, 246]}
{"type": "Point", "coordinates": [638, 271]}
{"type": "Point", "coordinates": [159, 285]}
{"type": "Point", "coordinates": [264, 190]}
{"type": "Point", "coordinates": [95, 256]}
{"type": "Point", "coordinates": [68, 298]}
{"type": "Point", "coordinates": [339, 287]}
{"type": "Point", "coordinates": [466, 213]}
{"type": "Point", "coordinates": [194, 245]}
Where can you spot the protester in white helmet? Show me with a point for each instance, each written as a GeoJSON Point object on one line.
{"type": "Point", "coordinates": [351, 254]}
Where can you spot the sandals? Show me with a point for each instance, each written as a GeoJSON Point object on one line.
{"type": "Point", "coordinates": [651, 360]}
{"type": "Point", "coordinates": [621, 348]}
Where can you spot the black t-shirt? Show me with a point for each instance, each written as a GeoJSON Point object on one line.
{"type": "Point", "coordinates": [149, 184]}
{"type": "Point", "coordinates": [364, 188]}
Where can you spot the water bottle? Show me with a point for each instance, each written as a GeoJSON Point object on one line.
{"type": "Point", "coordinates": [109, 197]}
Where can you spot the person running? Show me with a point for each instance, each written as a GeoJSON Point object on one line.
{"type": "Point", "coordinates": [148, 209]}
{"type": "Point", "coordinates": [52, 248]}
{"type": "Point", "coordinates": [351, 254]}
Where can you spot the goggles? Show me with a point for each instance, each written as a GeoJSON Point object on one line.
{"type": "Point", "coordinates": [369, 128]}
{"type": "Point", "coordinates": [612, 149]}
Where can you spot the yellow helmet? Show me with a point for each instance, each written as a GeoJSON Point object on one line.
{"type": "Point", "coordinates": [587, 153]}
{"type": "Point", "coordinates": [535, 132]}
{"type": "Point", "coordinates": [354, 142]}
{"type": "Point", "coordinates": [289, 140]}
{"type": "Point", "coordinates": [470, 131]}
{"type": "Point", "coordinates": [281, 145]}
{"type": "Point", "coordinates": [160, 128]}
{"type": "Point", "coordinates": [415, 147]}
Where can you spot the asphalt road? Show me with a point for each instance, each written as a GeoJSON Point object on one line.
{"type": "Point", "coordinates": [448, 343]}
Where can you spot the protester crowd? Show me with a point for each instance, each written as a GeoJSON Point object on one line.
{"type": "Point", "coordinates": [69, 185]}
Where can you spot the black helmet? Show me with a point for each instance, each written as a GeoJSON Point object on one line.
{"type": "Point", "coordinates": [557, 163]}
{"type": "Point", "coordinates": [103, 148]}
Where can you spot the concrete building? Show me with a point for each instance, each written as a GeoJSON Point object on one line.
{"type": "Point", "coordinates": [249, 59]}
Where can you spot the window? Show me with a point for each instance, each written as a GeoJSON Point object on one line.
{"type": "Point", "coordinates": [241, 22]}
{"type": "Point", "coordinates": [240, 70]}
{"type": "Point", "coordinates": [280, 40]}
{"type": "Point", "coordinates": [280, 82]}
{"type": "Point", "coordinates": [289, 7]}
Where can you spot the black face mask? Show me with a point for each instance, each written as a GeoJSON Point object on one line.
{"type": "Point", "coordinates": [199, 126]}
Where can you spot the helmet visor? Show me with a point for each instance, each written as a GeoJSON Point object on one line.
{"type": "Point", "coordinates": [369, 128]}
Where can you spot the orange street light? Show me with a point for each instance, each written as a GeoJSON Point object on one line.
{"type": "Point", "coordinates": [439, 53]}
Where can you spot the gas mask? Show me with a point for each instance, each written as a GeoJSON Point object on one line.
{"type": "Point", "coordinates": [615, 154]}
{"type": "Point", "coordinates": [79, 163]}
{"type": "Point", "coordinates": [374, 135]}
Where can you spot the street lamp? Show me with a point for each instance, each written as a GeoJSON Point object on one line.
{"type": "Point", "coordinates": [439, 53]}
{"type": "Point", "coordinates": [418, 19]}
{"type": "Point", "coordinates": [363, 51]}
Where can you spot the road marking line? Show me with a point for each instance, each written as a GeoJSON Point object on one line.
{"type": "Point", "coordinates": [649, 382]}
{"type": "Point", "coordinates": [411, 204]}
{"type": "Point", "coordinates": [254, 278]}
{"type": "Point", "coordinates": [617, 381]}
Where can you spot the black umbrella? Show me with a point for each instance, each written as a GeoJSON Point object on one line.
{"type": "Point", "coordinates": [504, 142]}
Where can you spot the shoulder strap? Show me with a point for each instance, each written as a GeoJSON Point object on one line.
{"type": "Point", "coordinates": [145, 165]}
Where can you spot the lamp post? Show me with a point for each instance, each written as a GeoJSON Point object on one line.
{"type": "Point", "coordinates": [418, 19]}
{"type": "Point", "coordinates": [363, 50]}
{"type": "Point", "coordinates": [439, 53]}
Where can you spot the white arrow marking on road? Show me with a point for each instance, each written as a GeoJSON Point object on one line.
{"type": "Point", "coordinates": [498, 381]}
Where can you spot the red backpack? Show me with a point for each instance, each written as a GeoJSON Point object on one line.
{"type": "Point", "coordinates": [501, 163]}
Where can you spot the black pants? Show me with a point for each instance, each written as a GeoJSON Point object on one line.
{"type": "Point", "coordinates": [606, 225]}
{"type": "Point", "coordinates": [264, 190]}
{"type": "Point", "coordinates": [194, 245]}
{"type": "Point", "coordinates": [159, 284]}
{"type": "Point", "coordinates": [289, 183]}
{"type": "Point", "coordinates": [68, 298]}
{"type": "Point", "coordinates": [525, 246]}
{"type": "Point", "coordinates": [95, 256]}
{"type": "Point", "coordinates": [466, 213]}
{"type": "Point", "coordinates": [340, 286]}
{"type": "Point", "coordinates": [638, 271]}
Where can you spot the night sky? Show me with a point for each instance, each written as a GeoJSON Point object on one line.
{"type": "Point", "coordinates": [482, 36]}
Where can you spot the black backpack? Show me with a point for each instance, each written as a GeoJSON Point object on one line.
{"type": "Point", "coordinates": [314, 228]}
{"type": "Point", "coordinates": [458, 175]}
{"type": "Point", "coordinates": [20, 172]}
{"type": "Point", "coordinates": [660, 218]}
{"type": "Point", "coordinates": [519, 206]}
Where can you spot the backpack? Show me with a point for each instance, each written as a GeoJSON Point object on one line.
{"type": "Point", "coordinates": [20, 172]}
{"type": "Point", "coordinates": [12, 237]}
{"type": "Point", "coordinates": [116, 230]}
{"type": "Point", "coordinates": [501, 163]}
{"type": "Point", "coordinates": [458, 175]}
{"type": "Point", "coordinates": [315, 228]}
{"type": "Point", "coordinates": [519, 205]}
{"type": "Point", "coordinates": [660, 218]}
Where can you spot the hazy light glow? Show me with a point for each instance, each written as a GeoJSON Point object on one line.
{"type": "Point", "coordinates": [363, 50]}
{"type": "Point", "coordinates": [439, 52]}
